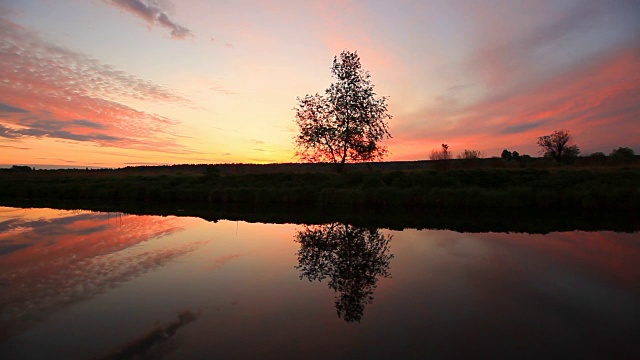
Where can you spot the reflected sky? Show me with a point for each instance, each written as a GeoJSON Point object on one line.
{"type": "Point", "coordinates": [51, 258]}
{"type": "Point", "coordinates": [81, 284]}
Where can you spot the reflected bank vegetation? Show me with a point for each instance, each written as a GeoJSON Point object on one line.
{"type": "Point", "coordinates": [351, 258]}
{"type": "Point", "coordinates": [156, 342]}
{"type": "Point", "coordinates": [533, 221]}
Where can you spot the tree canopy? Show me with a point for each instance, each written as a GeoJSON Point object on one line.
{"type": "Point", "coordinates": [345, 124]}
{"type": "Point", "coordinates": [558, 146]}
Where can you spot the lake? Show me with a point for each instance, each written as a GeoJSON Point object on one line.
{"type": "Point", "coordinates": [78, 284]}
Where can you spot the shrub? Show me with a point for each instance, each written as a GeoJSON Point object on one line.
{"type": "Point", "coordinates": [622, 155]}
{"type": "Point", "coordinates": [471, 154]}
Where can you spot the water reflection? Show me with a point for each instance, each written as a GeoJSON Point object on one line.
{"type": "Point", "coordinates": [52, 259]}
{"type": "Point", "coordinates": [78, 284]}
{"type": "Point", "coordinates": [150, 345]}
{"type": "Point", "coordinates": [353, 258]}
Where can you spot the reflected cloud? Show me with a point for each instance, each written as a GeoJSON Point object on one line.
{"type": "Point", "coordinates": [224, 260]}
{"type": "Point", "coordinates": [51, 262]}
{"type": "Point", "coordinates": [352, 258]}
{"type": "Point", "coordinates": [604, 253]}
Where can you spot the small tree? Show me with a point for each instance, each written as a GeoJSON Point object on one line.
{"type": "Point", "coordinates": [558, 146]}
{"type": "Point", "coordinates": [348, 122]}
{"type": "Point", "coordinates": [506, 155]}
{"type": "Point", "coordinates": [443, 154]}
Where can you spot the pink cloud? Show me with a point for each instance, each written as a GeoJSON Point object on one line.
{"type": "Point", "coordinates": [49, 91]}
{"type": "Point", "coordinates": [599, 103]}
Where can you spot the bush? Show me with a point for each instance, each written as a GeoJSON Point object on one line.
{"type": "Point", "coordinates": [622, 155]}
{"type": "Point", "coordinates": [471, 154]}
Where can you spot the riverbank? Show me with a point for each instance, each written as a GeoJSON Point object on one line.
{"type": "Point", "coordinates": [557, 188]}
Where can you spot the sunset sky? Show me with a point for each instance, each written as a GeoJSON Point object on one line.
{"type": "Point", "coordinates": [110, 83]}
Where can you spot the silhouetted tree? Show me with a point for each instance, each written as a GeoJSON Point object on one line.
{"type": "Point", "coordinates": [515, 155]}
{"type": "Point", "coordinates": [506, 155]}
{"type": "Point", "coordinates": [622, 155]}
{"type": "Point", "coordinates": [348, 122]}
{"type": "Point", "coordinates": [558, 146]}
{"type": "Point", "coordinates": [353, 259]}
{"type": "Point", "coordinates": [443, 154]}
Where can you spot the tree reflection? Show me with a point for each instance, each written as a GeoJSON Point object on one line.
{"type": "Point", "coordinates": [353, 258]}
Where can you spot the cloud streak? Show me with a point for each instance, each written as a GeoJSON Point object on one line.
{"type": "Point", "coordinates": [6, 109]}
{"type": "Point", "coordinates": [151, 13]}
{"type": "Point", "coordinates": [512, 44]}
{"type": "Point", "coordinates": [14, 147]}
{"type": "Point", "coordinates": [10, 133]}
{"type": "Point", "coordinates": [598, 102]}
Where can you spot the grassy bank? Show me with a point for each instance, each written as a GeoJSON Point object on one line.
{"type": "Point", "coordinates": [607, 188]}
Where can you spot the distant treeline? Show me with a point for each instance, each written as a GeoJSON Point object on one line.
{"type": "Point", "coordinates": [593, 161]}
{"type": "Point", "coordinates": [494, 187]}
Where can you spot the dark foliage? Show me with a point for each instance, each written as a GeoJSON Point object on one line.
{"type": "Point", "coordinates": [347, 124]}
{"type": "Point", "coordinates": [622, 155]}
{"type": "Point", "coordinates": [559, 146]}
{"type": "Point", "coordinates": [466, 219]}
{"type": "Point", "coordinates": [352, 258]}
{"type": "Point", "coordinates": [519, 186]}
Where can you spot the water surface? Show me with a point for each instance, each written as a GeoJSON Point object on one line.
{"type": "Point", "coordinates": [81, 284]}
